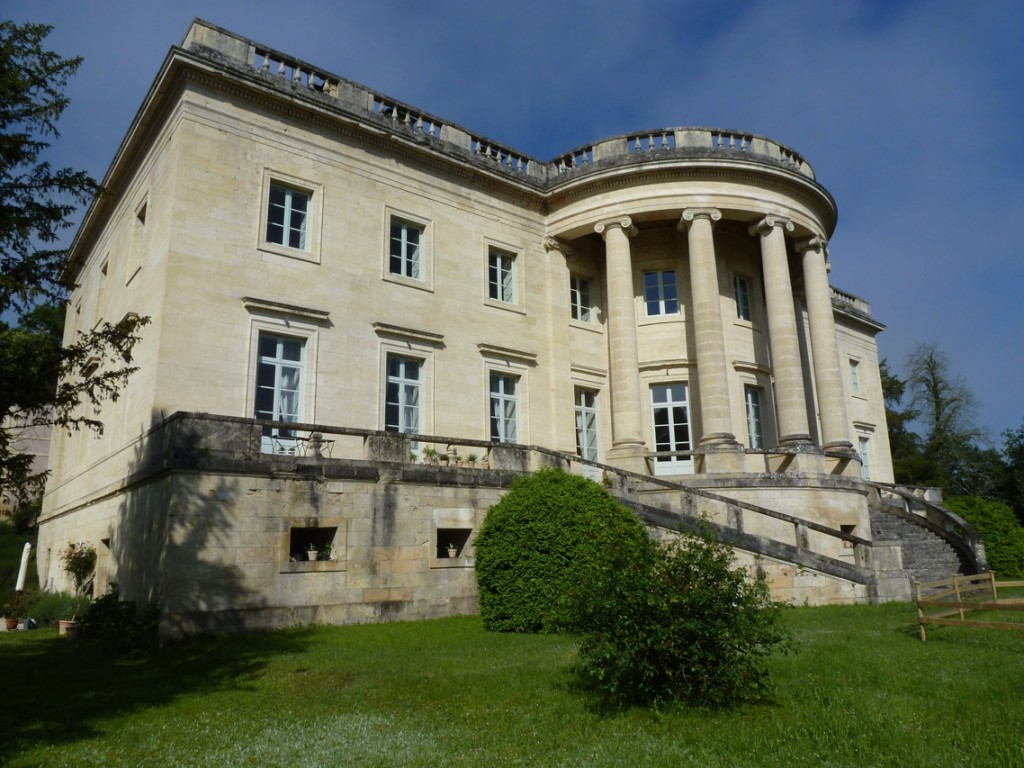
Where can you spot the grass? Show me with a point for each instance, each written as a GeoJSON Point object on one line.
{"type": "Point", "coordinates": [861, 690]}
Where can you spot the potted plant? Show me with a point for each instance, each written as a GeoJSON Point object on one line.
{"type": "Point", "coordinates": [325, 552]}
{"type": "Point", "coordinates": [79, 563]}
{"type": "Point", "coordinates": [453, 551]}
{"type": "Point", "coordinates": [10, 617]}
{"type": "Point", "coordinates": [471, 460]}
{"type": "Point", "coordinates": [458, 460]}
{"type": "Point", "coordinates": [311, 551]}
{"type": "Point", "coordinates": [444, 457]}
{"type": "Point", "coordinates": [430, 455]}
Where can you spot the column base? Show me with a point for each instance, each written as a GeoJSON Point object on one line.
{"type": "Point", "coordinates": [722, 454]}
{"type": "Point", "coordinates": [797, 442]}
{"type": "Point", "coordinates": [629, 456]}
{"type": "Point", "coordinates": [842, 459]}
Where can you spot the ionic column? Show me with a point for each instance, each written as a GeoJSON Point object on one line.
{"type": "Point", "coordinates": [623, 357]}
{"type": "Point", "coordinates": [706, 313]}
{"type": "Point", "coordinates": [790, 399]}
{"type": "Point", "coordinates": [828, 377]}
{"type": "Point", "coordinates": [560, 387]}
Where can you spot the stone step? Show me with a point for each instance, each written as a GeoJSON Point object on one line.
{"type": "Point", "coordinates": [926, 556]}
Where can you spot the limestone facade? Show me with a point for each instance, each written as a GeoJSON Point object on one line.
{"type": "Point", "coordinates": [312, 252]}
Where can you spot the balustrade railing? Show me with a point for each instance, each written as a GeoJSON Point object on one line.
{"type": "Point", "coordinates": [354, 98]}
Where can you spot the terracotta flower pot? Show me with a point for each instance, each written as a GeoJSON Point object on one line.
{"type": "Point", "coordinates": [68, 629]}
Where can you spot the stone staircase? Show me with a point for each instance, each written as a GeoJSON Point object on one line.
{"type": "Point", "coordinates": [926, 557]}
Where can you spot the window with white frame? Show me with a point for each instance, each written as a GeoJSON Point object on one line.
{"type": "Point", "coordinates": [406, 249]}
{"type": "Point", "coordinates": [402, 395]}
{"type": "Point", "coordinates": [741, 289]}
{"type": "Point", "coordinates": [579, 299]}
{"type": "Point", "coordinates": [586, 424]}
{"type": "Point", "coordinates": [670, 413]}
{"type": "Point", "coordinates": [854, 377]}
{"type": "Point", "coordinates": [755, 426]}
{"type": "Point", "coordinates": [504, 407]}
{"type": "Point", "coordinates": [288, 212]}
{"type": "Point", "coordinates": [279, 370]}
{"type": "Point", "coordinates": [661, 296]}
{"type": "Point", "coordinates": [865, 464]}
{"type": "Point", "coordinates": [501, 275]}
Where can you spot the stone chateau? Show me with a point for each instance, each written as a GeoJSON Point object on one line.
{"type": "Point", "coordinates": [344, 287]}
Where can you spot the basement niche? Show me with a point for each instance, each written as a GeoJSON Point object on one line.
{"type": "Point", "coordinates": [301, 540]}
{"type": "Point", "coordinates": [452, 540]}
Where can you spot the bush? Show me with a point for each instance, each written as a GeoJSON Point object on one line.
{"type": "Point", "coordinates": [25, 515]}
{"type": "Point", "coordinates": [79, 562]}
{"type": "Point", "coordinates": [47, 608]}
{"type": "Point", "coordinates": [119, 626]}
{"type": "Point", "coordinates": [999, 530]}
{"type": "Point", "coordinates": [535, 542]}
{"type": "Point", "coordinates": [683, 626]}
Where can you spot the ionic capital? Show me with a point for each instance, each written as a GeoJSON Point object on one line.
{"type": "Point", "coordinates": [622, 222]}
{"type": "Point", "coordinates": [554, 244]}
{"type": "Point", "coordinates": [768, 223]}
{"type": "Point", "coordinates": [692, 214]}
{"type": "Point", "coordinates": [815, 243]}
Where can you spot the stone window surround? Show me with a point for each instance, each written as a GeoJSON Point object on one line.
{"type": "Point", "coordinates": [425, 282]}
{"type": "Point", "coordinates": [518, 302]}
{"type": "Point", "coordinates": [314, 214]}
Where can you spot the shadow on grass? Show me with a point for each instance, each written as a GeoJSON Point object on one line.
{"type": "Point", "coordinates": [57, 692]}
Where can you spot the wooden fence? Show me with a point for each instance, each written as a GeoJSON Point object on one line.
{"type": "Point", "coordinates": [949, 602]}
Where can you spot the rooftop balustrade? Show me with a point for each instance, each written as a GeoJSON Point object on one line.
{"type": "Point", "coordinates": [296, 77]}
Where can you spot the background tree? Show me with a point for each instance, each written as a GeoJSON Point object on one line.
{"type": "Point", "coordinates": [910, 467]}
{"type": "Point", "coordinates": [945, 404]}
{"type": "Point", "coordinates": [1013, 478]}
{"type": "Point", "coordinates": [42, 382]}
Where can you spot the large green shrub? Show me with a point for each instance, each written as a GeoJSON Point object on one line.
{"type": "Point", "coordinates": [119, 626]}
{"type": "Point", "coordinates": [999, 530]}
{"type": "Point", "coordinates": [534, 544]}
{"type": "Point", "coordinates": [684, 626]}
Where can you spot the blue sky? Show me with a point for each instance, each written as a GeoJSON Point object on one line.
{"type": "Point", "coordinates": [911, 113]}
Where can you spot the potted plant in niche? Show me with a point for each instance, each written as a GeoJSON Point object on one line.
{"type": "Point", "coordinates": [79, 563]}
{"type": "Point", "coordinates": [312, 552]}
{"type": "Point", "coordinates": [453, 551]}
{"type": "Point", "coordinates": [325, 552]}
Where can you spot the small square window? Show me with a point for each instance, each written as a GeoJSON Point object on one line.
{"type": "Point", "coordinates": [579, 299]}
{"type": "Point", "coordinates": [453, 542]}
{"type": "Point", "coordinates": [405, 255]}
{"type": "Point", "coordinates": [288, 217]}
{"type": "Point", "coordinates": [660, 294]}
{"type": "Point", "coordinates": [742, 291]}
{"type": "Point", "coordinates": [501, 276]}
{"type": "Point", "coordinates": [305, 544]}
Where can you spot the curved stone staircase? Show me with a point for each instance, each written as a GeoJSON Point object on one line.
{"type": "Point", "coordinates": [935, 542]}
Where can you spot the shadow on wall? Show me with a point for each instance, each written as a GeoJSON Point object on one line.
{"type": "Point", "coordinates": [176, 538]}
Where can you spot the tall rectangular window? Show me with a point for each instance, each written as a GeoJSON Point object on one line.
{"type": "Point", "coordinates": [660, 294]}
{"type": "Point", "coordinates": [742, 291]}
{"type": "Point", "coordinates": [405, 254]}
{"type": "Point", "coordinates": [855, 377]}
{"type": "Point", "coordinates": [865, 465]}
{"type": "Point", "coordinates": [402, 395]}
{"type": "Point", "coordinates": [501, 276]}
{"type": "Point", "coordinates": [755, 428]}
{"type": "Point", "coordinates": [288, 217]}
{"type": "Point", "coordinates": [670, 412]}
{"type": "Point", "coordinates": [586, 424]}
{"type": "Point", "coordinates": [504, 414]}
{"type": "Point", "coordinates": [579, 298]}
{"type": "Point", "coordinates": [279, 367]}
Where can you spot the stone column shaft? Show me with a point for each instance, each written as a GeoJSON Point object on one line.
{"type": "Point", "coordinates": [623, 355]}
{"type": "Point", "coordinates": [706, 315]}
{"type": "Point", "coordinates": [790, 398]}
{"type": "Point", "coordinates": [828, 377]}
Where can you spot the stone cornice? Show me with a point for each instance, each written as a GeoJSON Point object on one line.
{"type": "Point", "coordinates": [415, 335]}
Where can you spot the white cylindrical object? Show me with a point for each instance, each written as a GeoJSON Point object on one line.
{"type": "Point", "coordinates": [23, 571]}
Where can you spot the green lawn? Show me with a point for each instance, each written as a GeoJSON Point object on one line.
{"type": "Point", "coordinates": [861, 690]}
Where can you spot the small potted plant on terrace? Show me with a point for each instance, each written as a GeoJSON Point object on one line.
{"type": "Point", "coordinates": [430, 455]}
{"type": "Point", "coordinates": [311, 551]}
{"type": "Point", "coordinates": [471, 460]}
